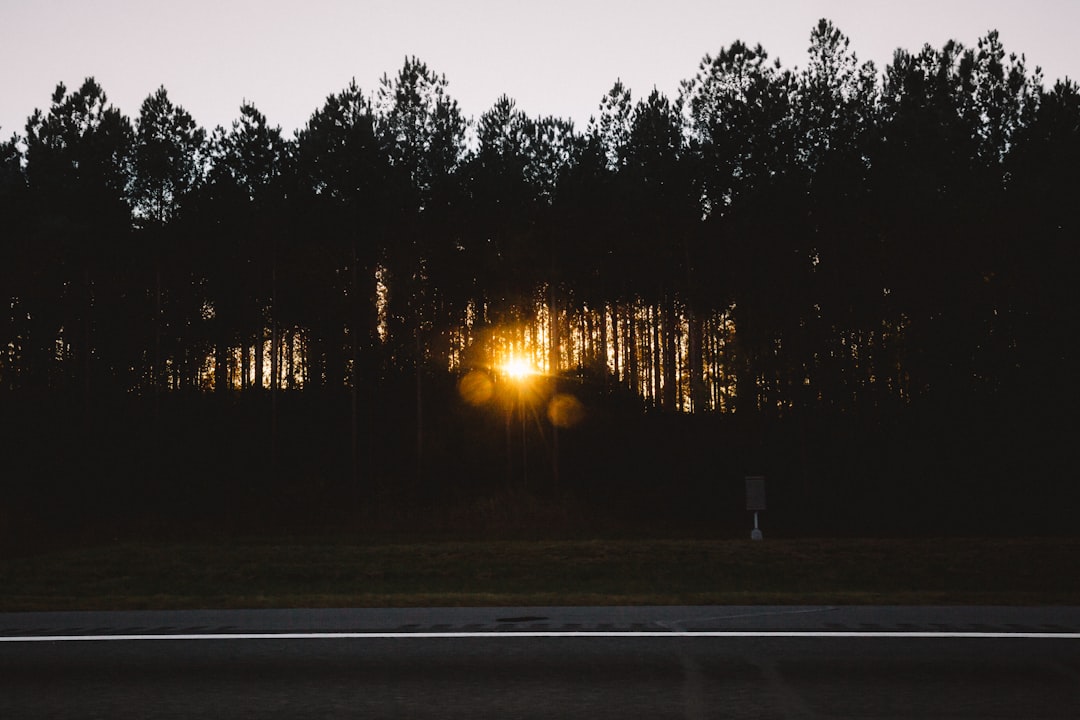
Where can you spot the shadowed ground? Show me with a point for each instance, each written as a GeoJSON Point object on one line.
{"type": "Point", "coordinates": [272, 573]}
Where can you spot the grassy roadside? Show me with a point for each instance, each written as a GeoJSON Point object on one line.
{"type": "Point", "coordinates": [272, 573]}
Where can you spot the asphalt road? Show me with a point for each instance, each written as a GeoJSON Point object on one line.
{"type": "Point", "coordinates": [701, 662]}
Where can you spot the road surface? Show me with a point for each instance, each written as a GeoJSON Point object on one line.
{"type": "Point", "coordinates": [640, 662]}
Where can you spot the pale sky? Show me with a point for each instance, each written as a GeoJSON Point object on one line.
{"type": "Point", "coordinates": [556, 57]}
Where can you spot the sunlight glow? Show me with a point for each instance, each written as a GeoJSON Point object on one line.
{"type": "Point", "coordinates": [688, 372]}
{"type": "Point", "coordinates": [518, 368]}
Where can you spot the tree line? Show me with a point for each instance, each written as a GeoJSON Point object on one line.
{"type": "Point", "coordinates": [859, 283]}
{"type": "Point", "coordinates": [767, 240]}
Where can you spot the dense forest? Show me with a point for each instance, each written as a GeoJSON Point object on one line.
{"type": "Point", "coordinates": [858, 282]}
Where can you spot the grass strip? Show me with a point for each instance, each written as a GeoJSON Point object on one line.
{"type": "Point", "coordinates": [259, 573]}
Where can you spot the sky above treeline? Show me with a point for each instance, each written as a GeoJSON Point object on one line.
{"type": "Point", "coordinates": [554, 57]}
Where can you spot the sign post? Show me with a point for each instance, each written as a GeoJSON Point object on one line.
{"type": "Point", "coordinates": [755, 501]}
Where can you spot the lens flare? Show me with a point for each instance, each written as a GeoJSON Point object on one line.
{"type": "Point", "coordinates": [476, 387]}
{"type": "Point", "coordinates": [565, 411]}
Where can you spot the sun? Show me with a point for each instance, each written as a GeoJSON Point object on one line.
{"type": "Point", "coordinates": [518, 368]}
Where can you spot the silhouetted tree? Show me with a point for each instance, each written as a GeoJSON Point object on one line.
{"type": "Point", "coordinates": [1042, 256]}
{"type": "Point", "coordinates": [14, 219]}
{"type": "Point", "coordinates": [657, 179]}
{"type": "Point", "coordinates": [246, 193]}
{"type": "Point", "coordinates": [422, 131]}
{"type": "Point", "coordinates": [503, 213]}
{"type": "Point", "coordinates": [846, 306]}
{"type": "Point", "coordinates": [78, 169]}
{"type": "Point", "coordinates": [344, 175]}
{"type": "Point", "coordinates": [513, 179]}
{"type": "Point", "coordinates": [342, 168]}
{"type": "Point", "coordinates": [937, 175]}
{"type": "Point", "coordinates": [739, 115]}
{"type": "Point", "coordinates": [168, 159]}
{"type": "Point", "coordinates": [169, 163]}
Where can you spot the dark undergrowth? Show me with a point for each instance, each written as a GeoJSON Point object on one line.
{"type": "Point", "coordinates": [207, 467]}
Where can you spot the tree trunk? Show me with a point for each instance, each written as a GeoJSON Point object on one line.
{"type": "Point", "coordinates": [604, 344]}
{"type": "Point", "coordinates": [156, 373]}
{"type": "Point", "coordinates": [654, 322]}
{"type": "Point", "coordinates": [616, 348]}
{"type": "Point", "coordinates": [290, 356]}
{"type": "Point", "coordinates": [631, 349]}
{"type": "Point", "coordinates": [354, 376]}
{"type": "Point", "coordinates": [221, 366]}
{"type": "Point", "coordinates": [84, 346]}
{"type": "Point", "coordinates": [698, 400]}
{"type": "Point", "coordinates": [275, 363]}
{"type": "Point", "coordinates": [419, 402]}
{"type": "Point", "coordinates": [260, 349]}
{"type": "Point", "coordinates": [554, 350]}
{"type": "Point", "coordinates": [670, 329]}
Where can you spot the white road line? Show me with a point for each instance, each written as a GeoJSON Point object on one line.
{"type": "Point", "coordinates": [548, 634]}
